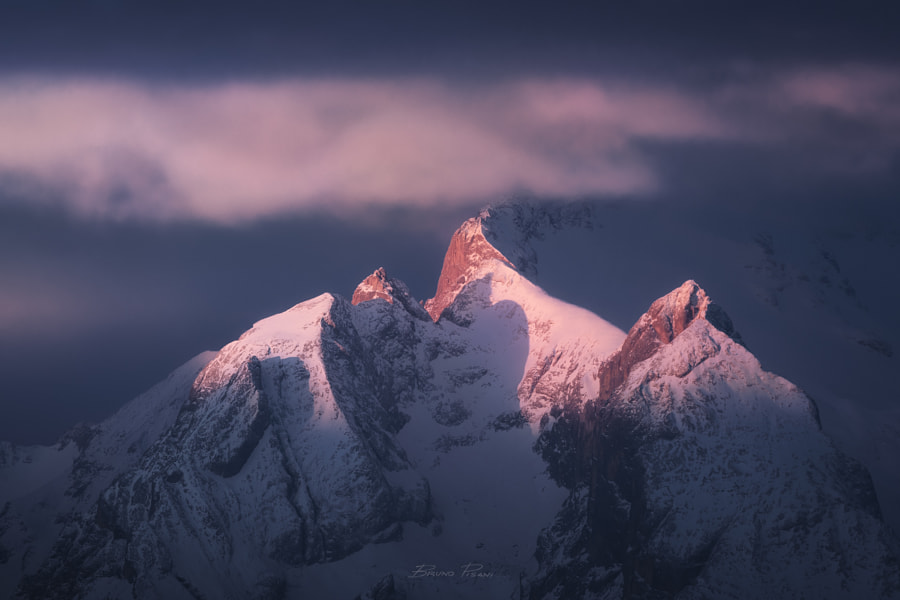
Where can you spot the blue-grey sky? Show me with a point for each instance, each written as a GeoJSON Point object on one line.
{"type": "Point", "coordinates": [170, 174]}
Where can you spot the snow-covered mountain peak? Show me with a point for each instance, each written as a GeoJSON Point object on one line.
{"type": "Point", "coordinates": [666, 319]}
{"type": "Point", "coordinates": [296, 325]}
{"type": "Point", "coordinates": [674, 312]}
{"type": "Point", "coordinates": [469, 257]}
{"type": "Point", "coordinates": [283, 334]}
{"type": "Point", "coordinates": [376, 285]}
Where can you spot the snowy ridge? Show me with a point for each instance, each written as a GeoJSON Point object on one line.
{"type": "Point", "coordinates": [706, 477]}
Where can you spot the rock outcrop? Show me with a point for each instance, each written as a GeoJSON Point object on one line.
{"type": "Point", "coordinates": [469, 256]}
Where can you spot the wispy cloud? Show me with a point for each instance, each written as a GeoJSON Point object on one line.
{"type": "Point", "coordinates": [852, 90]}
{"type": "Point", "coordinates": [841, 118]}
{"type": "Point", "coordinates": [59, 300]}
{"type": "Point", "coordinates": [232, 152]}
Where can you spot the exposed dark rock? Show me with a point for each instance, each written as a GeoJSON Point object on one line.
{"type": "Point", "coordinates": [509, 420]}
{"type": "Point", "coordinates": [878, 345]}
{"type": "Point", "coordinates": [231, 463]}
{"type": "Point", "coordinates": [450, 413]}
{"type": "Point", "coordinates": [379, 286]}
{"type": "Point", "coordinates": [81, 435]}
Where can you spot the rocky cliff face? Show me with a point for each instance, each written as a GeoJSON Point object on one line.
{"type": "Point", "coordinates": [496, 443]}
{"type": "Point", "coordinates": [468, 256]}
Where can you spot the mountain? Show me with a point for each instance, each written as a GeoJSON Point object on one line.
{"type": "Point", "coordinates": [493, 441]}
{"type": "Point", "coordinates": [804, 285]}
{"type": "Point", "coordinates": [695, 474]}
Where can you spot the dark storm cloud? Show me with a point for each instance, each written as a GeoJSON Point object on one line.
{"type": "Point", "coordinates": [215, 39]}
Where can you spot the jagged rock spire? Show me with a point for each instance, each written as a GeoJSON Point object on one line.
{"type": "Point", "coordinates": [467, 253]}
{"type": "Point", "coordinates": [666, 318]}
{"type": "Point", "coordinates": [379, 285]}
{"type": "Point", "coordinates": [376, 285]}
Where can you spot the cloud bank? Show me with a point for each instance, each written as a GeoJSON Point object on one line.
{"type": "Point", "coordinates": [239, 151]}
